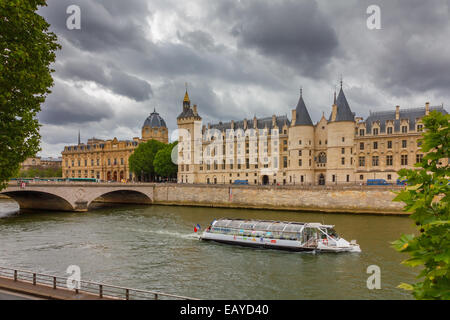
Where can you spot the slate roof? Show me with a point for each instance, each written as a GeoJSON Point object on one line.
{"type": "Point", "coordinates": [344, 113]}
{"type": "Point", "coordinates": [410, 114]}
{"type": "Point", "coordinates": [186, 113]}
{"type": "Point", "coordinates": [260, 124]}
{"type": "Point", "coordinates": [154, 121]}
{"type": "Point", "coordinates": [302, 115]}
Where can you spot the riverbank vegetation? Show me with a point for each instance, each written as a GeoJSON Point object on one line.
{"type": "Point", "coordinates": [27, 49]}
{"type": "Point", "coordinates": [427, 198]}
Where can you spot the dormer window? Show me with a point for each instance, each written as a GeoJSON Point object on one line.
{"type": "Point", "coordinates": [404, 129]}
{"type": "Point", "coordinates": [375, 131]}
{"type": "Point", "coordinates": [389, 130]}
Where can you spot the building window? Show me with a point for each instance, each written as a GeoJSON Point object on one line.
{"type": "Point", "coordinates": [121, 161]}
{"type": "Point", "coordinates": [404, 129]}
{"type": "Point", "coordinates": [300, 142]}
{"type": "Point", "coordinates": [389, 144]}
{"type": "Point", "coordinates": [361, 146]}
{"type": "Point", "coordinates": [361, 132]}
{"type": "Point", "coordinates": [389, 130]}
{"type": "Point", "coordinates": [343, 139]}
{"type": "Point", "coordinates": [334, 178]}
{"type": "Point", "coordinates": [343, 161]}
{"type": "Point", "coordinates": [389, 160]}
{"type": "Point", "coordinates": [362, 161]}
{"type": "Point", "coordinates": [299, 162]}
{"type": "Point", "coordinates": [375, 145]}
{"type": "Point", "coordinates": [375, 161]}
{"type": "Point", "coordinates": [348, 178]}
{"type": "Point", "coordinates": [375, 131]}
{"type": "Point", "coordinates": [404, 143]}
{"type": "Point", "coordinates": [419, 158]}
{"type": "Point", "coordinates": [343, 151]}
{"type": "Point", "coordinates": [404, 159]}
{"type": "Point", "coordinates": [109, 162]}
{"type": "Point", "coordinates": [419, 128]}
{"type": "Point", "coordinates": [361, 177]}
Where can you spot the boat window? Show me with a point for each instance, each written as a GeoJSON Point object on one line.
{"type": "Point", "coordinates": [332, 233]}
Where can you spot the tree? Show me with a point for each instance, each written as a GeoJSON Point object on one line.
{"type": "Point", "coordinates": [141, 161]}
{"type": "Point", "coordinates": [27, 49]}
{"type": "Point", "coordinates": [427, 199]}
{"type": "Point", "coordinates": [163, 163]}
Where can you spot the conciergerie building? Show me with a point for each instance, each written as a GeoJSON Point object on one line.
{"type": "Point", "coordinates": [339, 149]}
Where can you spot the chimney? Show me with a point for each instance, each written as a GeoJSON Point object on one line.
{"type": "Point", "coordinates": [195, 110]}
{"type": "Point", "coordinates": [255, 122]}
{"type": "Point", "coordinates": [427, 108]}
{"type": "Point", "coordinates": [245, 124]}
{"type": "Point", "coordinates": [294, 116]}
{"type": "Point", "coordinates": [274, 120]}
{"type": "Point", "coordinates": [232, 124]}
{"type": "Point", "coordinates": [397, 113]}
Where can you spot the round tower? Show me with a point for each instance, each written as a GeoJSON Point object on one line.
{"type": "Point", "coordinates": [301, 146]}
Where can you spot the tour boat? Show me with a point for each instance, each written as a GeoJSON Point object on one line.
{"type": "Point", "coordinates": [294, 236]}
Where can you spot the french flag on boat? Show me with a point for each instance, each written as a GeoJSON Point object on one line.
{"type": "Point", "coordinates": [197, 228]}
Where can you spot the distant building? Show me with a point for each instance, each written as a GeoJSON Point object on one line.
{"type": "Point", "coordinates": [342, 149]}
{"type": "Point", "coordinates": [108, 159]}
{"type": "Point", "coordinates": [41, 162]}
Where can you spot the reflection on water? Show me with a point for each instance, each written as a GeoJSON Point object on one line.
{"type": "Point", "coordinates": [155, 248]}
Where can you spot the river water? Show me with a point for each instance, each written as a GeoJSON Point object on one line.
{"type": "Point", "coordinates": [155, 248]}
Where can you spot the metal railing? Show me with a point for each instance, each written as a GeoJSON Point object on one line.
{"type": "Point", "coordinates": [99, 290]}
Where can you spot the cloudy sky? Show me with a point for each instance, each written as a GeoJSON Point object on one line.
{"type": "Point", "coordinates": [239, 58]}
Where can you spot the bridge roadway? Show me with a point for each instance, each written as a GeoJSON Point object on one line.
{"type": "Point", "coordinates": [73, 196]}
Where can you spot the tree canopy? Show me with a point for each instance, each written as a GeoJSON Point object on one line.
{"type": "Point", "coordinates": [27, 50]}
{"type": "Point", "coordinates": [427, 198]}
{"type": "Point", "coordinates": [163, 163]}
{"type": "Point", "coordinates": [141, 161]}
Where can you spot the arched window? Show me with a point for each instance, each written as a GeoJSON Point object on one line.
{"type": "Point", "coordinates": [322, 157]}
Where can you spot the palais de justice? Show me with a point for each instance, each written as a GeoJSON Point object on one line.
{"type": "Point", "coordinates": [340, 149]}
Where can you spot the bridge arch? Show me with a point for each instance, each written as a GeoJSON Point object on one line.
{"type": "Point", "coordinates": [120, 196]}
{"type": "Point", "coordinates": [32, 199]}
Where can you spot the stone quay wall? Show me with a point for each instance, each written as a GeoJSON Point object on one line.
{"type": "Point", "coordinates": [364, 200]}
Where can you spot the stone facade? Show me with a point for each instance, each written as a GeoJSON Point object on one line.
{"type": "Point", "coordinates": [107, 160]}
{"type": "Point", "coordinates": [342, 149]}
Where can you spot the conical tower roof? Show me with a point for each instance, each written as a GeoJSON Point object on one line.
{"type": "Point", "coordinates": [302, 114]}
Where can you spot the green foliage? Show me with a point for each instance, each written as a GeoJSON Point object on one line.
{"type": "Point", "coordinates": [141, 161]}
{"type": "Point", "coordinates": [27, 49]}
{"type": "Point", "coordinates": [163, 163]}
{"type": "Point", "coordinates": [427, 199]}
{"type": "Point", "coordinates": [41, 172]}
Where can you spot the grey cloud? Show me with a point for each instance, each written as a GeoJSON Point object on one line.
{"type": "Point", "coordinates": [293, 31]}
{"type": "Point", "coordinates": [117, 81]}
{"type": "Point", "coordinates": [69, 105]}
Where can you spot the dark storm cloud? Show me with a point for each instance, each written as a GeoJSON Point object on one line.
{"type": "Point", "coordinates": [69, 105]}
{"type": "Point", "coordinates": [293, 31]}
{"type": "Point", "coordinates": [105, 25]}
{"type": "Point", "coordinates": [115, 80]}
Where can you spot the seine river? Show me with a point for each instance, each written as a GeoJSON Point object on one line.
{"type": "Point", "coordinates": [155, 248]}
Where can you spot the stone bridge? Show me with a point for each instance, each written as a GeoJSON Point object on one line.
{"type": "Point", "coordinates": [71, 196]}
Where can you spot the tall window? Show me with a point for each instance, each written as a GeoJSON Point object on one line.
{"type": "Point", "coordinates": [299, 153]}
{"type": "Point", "coordinates": [375, 131]}
{"type": "Point", "coordinates": [362, 161]}
{"type": "Point", "coordinates": [389, 130]}
{"type": "Point", "coordinates": [404, 159]}
{"type": "Point", "coordinates": [375, 161]}
{"type": "Point", "coordinates": [299, 162]}
{"type": "Point", "coordinates": [389, 160]}
{"type": "Point", "coordinates": [361, 146]}
{"type": "Point", "coordinates": [419, 128]}
{"type": "Point", "coordinates": [389, 144]}
{"type": "Point", "coordinates": [343, 151]}
{"type": "Point", "coordinates": [375, 145]}
{"type": "Point", "coordinates": [285, 163]}
{"type": "Point", "coordinates": [404, 129]}
{"type": "Point", "coordinates": [342, 160]}
{"type": "Point", "coordinates": [361, 132]}
{"type": "Point", "coordinates": [419, 158]}
{"type": "Point", "coordinates": [404, 143]}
